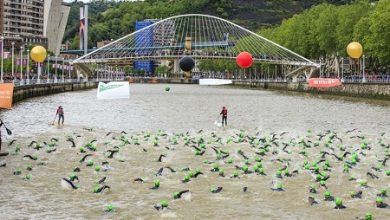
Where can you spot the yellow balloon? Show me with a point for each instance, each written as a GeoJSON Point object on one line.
{"type": "Point", "coordinates": [38, 54]}
{"type": "Point", "coordinates": [355, 50]}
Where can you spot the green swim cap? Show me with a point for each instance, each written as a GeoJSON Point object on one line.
{"type": "Point", "coordinates": [164, 203]}
{"type": "Point", "coordinates": [156, 183]}
{"type": "Point", "coordinates": [28, 176]}
{"type": "Point", "coordinates": [363, 183]}
{"type": "Point", "coordinates": [368, 216]}
{"type": "Point", "coordinates": [339, 201]}
{"type": "Point", "coordinates": [383, 191]}
{"type": "Point", "coordinates": [176, 195]}
{"type": "Point", "coordinates": [110, 208]}
{"type": "Point", "coordinates": [90, 163]}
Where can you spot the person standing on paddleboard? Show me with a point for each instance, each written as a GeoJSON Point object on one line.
{"type": "Point", "coordinates": [60, 113]}
{"type": "Point", "coordinates": [224, 115]}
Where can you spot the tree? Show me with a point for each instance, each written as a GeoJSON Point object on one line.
{"type": "Point", "coordinates": [349, 17]}
{"type": "Point", "coordinates": [378, 41]}
{"type": "Point", "coordinates": [161, 69]}
{"type": "Point", "coordinates": [129, 69]}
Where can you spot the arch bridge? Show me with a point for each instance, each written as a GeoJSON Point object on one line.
{"type": "Point", "coordinates": [203, 37]}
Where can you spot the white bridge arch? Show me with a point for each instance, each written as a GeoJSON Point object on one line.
{"type": "Point", "coordinates": [200, 36]}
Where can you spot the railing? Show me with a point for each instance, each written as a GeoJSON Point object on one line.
{"type": "Point", "coordinates": [377, 80]}
{"type": "Point", "coordinates": [30, 82]}
{"type": "Point", "coordinates": [382, 79]}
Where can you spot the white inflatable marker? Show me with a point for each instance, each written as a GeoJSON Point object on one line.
{"type": "Point", "coordinates": [214, 82]}
{"type": "Point", "coordinates": [113, 90]}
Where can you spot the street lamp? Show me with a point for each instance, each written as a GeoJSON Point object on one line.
{"type": "Point", "coordinates": [28, 67]}
{"type": "Point", "coordinates": [2, 58]}
{"type": "Point", "coordinates": [62, 68]}
{"type": "Point", "coordinates": [69, 72]}
{"type": "Point", "coordinates": [48, 69]}
{"type": "Point", "coordinates": [364, 67]}
{"type": "Point", "coordinates": [21, 65]}
{"type": "Point", "coordinates": [12, 58]}
{"type": "Point", "coordinates": [55, 70]}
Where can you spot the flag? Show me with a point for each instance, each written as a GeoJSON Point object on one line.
{"type": "Point", "coordinates": [113, 90]}
{"type": "Point", "coordinates": [18, 62]}
{"type": "Point", "coordinates": [6, 95]}
{"type": "Point", "coordinates": [7, 55]}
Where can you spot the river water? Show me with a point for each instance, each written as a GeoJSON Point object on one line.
{"type": "Point", "coordinates": [191, 107]}
{"type": "Point", "coordinates": [186, 115]}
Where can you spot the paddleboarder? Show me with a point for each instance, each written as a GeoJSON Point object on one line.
{"type": "Point", "coordinates": [60, 113]}
{"type": "Point", "coordinates": [224, 116]}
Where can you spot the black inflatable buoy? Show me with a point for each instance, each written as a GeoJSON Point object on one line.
{"type": "Point", "coordinates": [186, 63]}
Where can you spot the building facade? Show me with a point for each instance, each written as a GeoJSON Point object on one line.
{"type": "Point", "coordinates": [22, 19]}
{"type": "Point", "coordinates": [33, 22]}
{"type": "Point", "coordinates": [144, 40]}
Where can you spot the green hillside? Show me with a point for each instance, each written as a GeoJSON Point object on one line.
{"type": "Point", "coordinates": [110, 20]}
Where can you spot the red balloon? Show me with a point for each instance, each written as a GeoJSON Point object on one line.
{"type": "Point", "coordinates": [244, 60]}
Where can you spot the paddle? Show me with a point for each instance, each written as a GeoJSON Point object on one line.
{"type": "Point", "coordinates": [216, 122]}
{"type": "Point", "coordinates": [55, 116]}
{"type": "Point", "coordinates": [9, 132]}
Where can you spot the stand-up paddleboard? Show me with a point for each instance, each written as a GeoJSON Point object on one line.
{"type": "Point", "coordinates": [214, 82]}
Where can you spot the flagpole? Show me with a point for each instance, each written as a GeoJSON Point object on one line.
{"type": "Point", "coordinates": [28, 67]}
{"type": "Point", "coordinates": [63, 61]}
{"type": "Point", "coordinates": [21, 65]}
{"type": "Point", "coordinates": [13, 55]}
{"type": "Point", "coordinates": [69, 80]}
{"type": "Point", "coordinates": [55, 70]}
{"type": "Point", "coordinates": [48, 66]}
{"type": "Point", "coordinates": [2, 58]}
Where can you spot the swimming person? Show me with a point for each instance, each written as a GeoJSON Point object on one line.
{"type": "Point", "coordinates": [224, 115]}
{"type": "Point", "coordinates": [60, 113]}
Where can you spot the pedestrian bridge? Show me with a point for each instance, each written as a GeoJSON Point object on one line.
{"type": "Point", "coordinates": [200, 36]}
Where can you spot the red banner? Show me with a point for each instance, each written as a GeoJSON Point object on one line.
{"type": "Point", "coordinates": [323, 82]}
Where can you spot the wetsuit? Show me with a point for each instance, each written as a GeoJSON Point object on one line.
{"type": "Point", "coordinates": [224, 116]}
{"type": "Point", "coordinates": [60, 113]}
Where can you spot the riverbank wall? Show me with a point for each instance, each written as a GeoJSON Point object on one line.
{"type": "Point", "coordinates": [366, 90]}
{"type": "Point", "coordinates": [29, 91]}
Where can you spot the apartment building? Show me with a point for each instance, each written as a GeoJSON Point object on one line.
{"type": "Point", "coordinates": [32, 22]}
